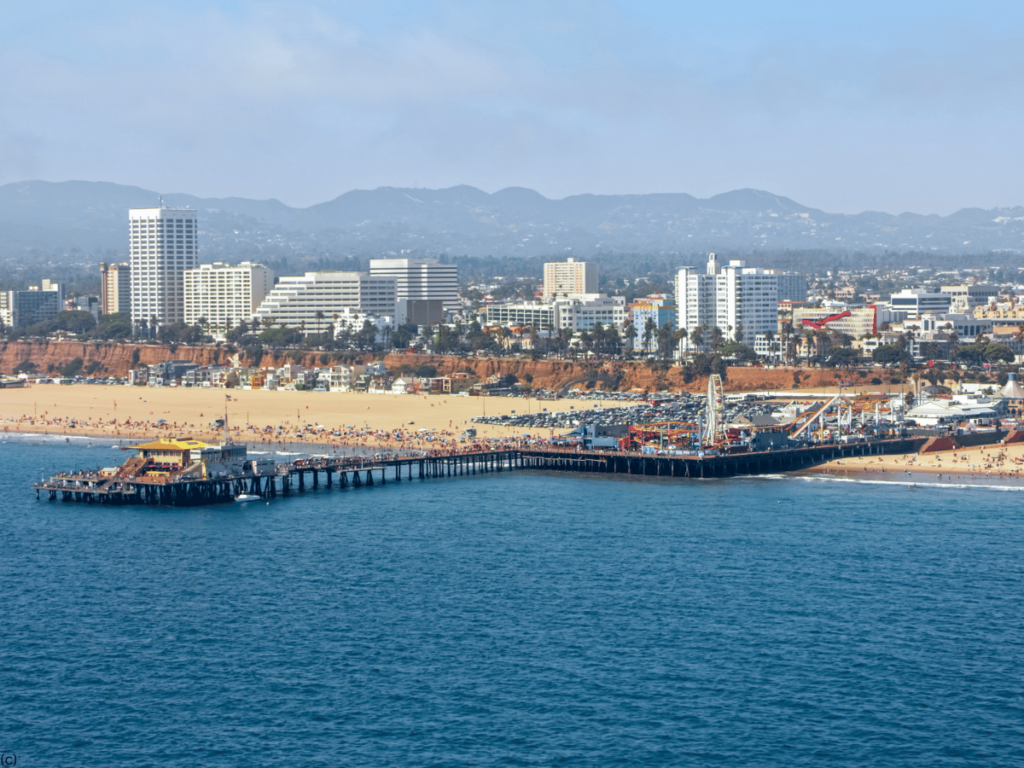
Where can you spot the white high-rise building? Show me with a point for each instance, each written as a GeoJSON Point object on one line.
{"type": "Point", "coordinates": [296, 300]}
{"type": "Point", "coordinates": [422, 280]}
{"type": "Point", "coordinates": [225, 295]}
{"type": "Point", "coordinates": [741, 301]}
{"type": "Point", "coordinates": [569, 278]}
{"type": "Point", "coordinates": [163, 244]}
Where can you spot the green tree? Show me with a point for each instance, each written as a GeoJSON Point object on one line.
{"type": "Point", "coordinates": [842, 357]}
{"type": "Point", "coordinates": [889, 354]}
{"type": "Point", "coordinates": [740, 352]}
{"type": "Point", "coordinates": [995, 353]}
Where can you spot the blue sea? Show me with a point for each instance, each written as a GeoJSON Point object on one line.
{"type": "Point", "coordinates": [515, 619]}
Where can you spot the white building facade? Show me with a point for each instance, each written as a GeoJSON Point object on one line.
{"type": "Point", "coordinates": [225, 295]}
{"type": "Point", "coordinates": [296, 300]}
{"type": "Point", "coordinates": [584, 312]}
{"type": "Point", "coordinates": [741, 301]}
{"type": "Point", "coordinates": [915, 303]}
{"type": "Point", "coordinates": [163, 244]}
{"type": "Point", "coordinates": [538, 315]}
{"type": "Point", "coordinates": [421, 280]}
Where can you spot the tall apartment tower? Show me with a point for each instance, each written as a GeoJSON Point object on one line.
{"type": "Point", "coordinates": [426, 288]}
{"type": "Point", "coordinates": [115, 289]}
{"type": "Point", "coordinates": [568, 278]}
{"type": "Point", "coordinates": [741, 301]}
{"type": "Point", "coordinates": [163, 245]}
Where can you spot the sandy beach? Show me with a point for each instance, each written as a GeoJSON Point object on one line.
{"type": "Point", "coordinates": [993, 461]}
{"type": "Point", "coordinates": [392, 421]}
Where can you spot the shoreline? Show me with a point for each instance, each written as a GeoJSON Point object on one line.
{"type": "Point", "coordinates": [913, 480]}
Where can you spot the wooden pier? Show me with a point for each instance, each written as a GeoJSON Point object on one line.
{"type": "Point", "coordinates": [313, 474]}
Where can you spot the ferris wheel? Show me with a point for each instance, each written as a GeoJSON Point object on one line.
{"type": "Point", "coordinates": [714, 432]}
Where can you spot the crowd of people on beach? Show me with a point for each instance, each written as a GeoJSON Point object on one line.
{"type": "Point", "coordinates": [402, 439]}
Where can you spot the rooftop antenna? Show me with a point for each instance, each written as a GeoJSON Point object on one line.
{"type": "Point", "coordinates": [161, 197]}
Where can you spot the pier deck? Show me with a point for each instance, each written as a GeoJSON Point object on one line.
{"type": "Point", "coordinates": [312, 474]}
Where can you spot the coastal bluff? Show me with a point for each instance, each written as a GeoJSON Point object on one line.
{"type": "Point", "coordinates": [114, 359]}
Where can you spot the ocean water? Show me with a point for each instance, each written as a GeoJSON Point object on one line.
{"type": "Point", "coordinates": [514, 619]}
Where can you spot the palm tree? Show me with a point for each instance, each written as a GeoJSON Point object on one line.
{"type": "Point", "coordinates": [697, 336]}
{"type": "Point", "coordinates": [650, 328]}
{"type": "Point", "coordinates": [717, 337]}
{"type": "Point", "coordinates": [319, 315]}
{"type": "Point", "coordinates": [665, 336]}
{"type": "Point", "coordinates": [629, 331]}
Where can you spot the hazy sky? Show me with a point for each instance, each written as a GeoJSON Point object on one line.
{"type": "Point", "coordinates": [887, 106]}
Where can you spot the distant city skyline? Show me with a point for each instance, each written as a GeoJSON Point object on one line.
{"type": "Point", "coordinates": [897, 107]}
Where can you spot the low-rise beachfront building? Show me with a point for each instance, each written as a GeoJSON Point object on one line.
{"type": "Point", "coordinates": [379, 385]}
{"type": "Point", "coordinates": [980, 411]}
{"type": "Point", "coordinates": [338, 378]}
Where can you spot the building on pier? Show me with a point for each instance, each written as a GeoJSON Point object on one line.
{"type": "Point", "coordinates": [194, 458]}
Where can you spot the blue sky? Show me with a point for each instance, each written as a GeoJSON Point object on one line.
{"type": "Point", "coordinates": [870, 106]}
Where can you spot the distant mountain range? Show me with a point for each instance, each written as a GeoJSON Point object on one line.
{"type": "Point", "coordinates": [52, 219]}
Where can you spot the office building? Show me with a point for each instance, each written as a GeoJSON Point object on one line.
{"type": "Point", "coordinates": [90, 304]}
{"type": "Point", "coordinates": [740, 301]}
{"type": "Point", "coordinates": [915, 303]}
{"type": "Point", "coordinates": [535, 314]}
{"type": "Point", "coordinates": [295, 300]}
{"type": "Point", "coordinates": [855, 322]}
{"type": "Point", "coordinates": [966, 297]}
{"type": "Point", "coordinates": [569, 278]}
{"type": "Point", "coordinates": [38, 303]}
{"type": "Point", "coordinates": [115, 289]}
{"type": "Point", "coordinates": [163, 245]}
{"type": "Point", "coordinates": [582, 312]}
{"type": "Point", "coordinates": [223, 295]}
{"type": "Point", "coordinates": [422, 284]}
